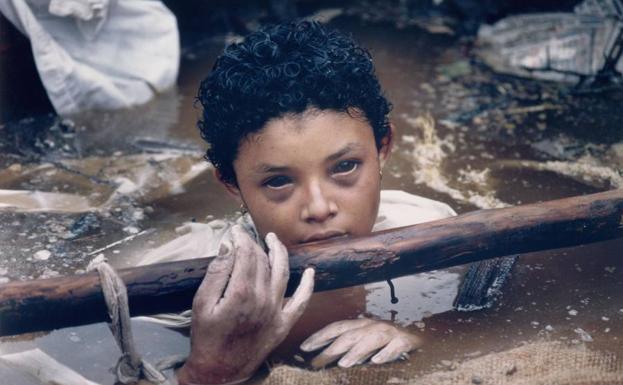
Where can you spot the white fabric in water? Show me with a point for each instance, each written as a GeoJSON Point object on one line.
{"type": "Point", "coordinates": [44, 368]}
{"type": "Point", "coordinates": [99, 54]}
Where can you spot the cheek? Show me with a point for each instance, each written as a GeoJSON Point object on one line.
{"type": "Point", "coordinates": [278, 219]}
{"type": "Point", "coordinates": [363, 204]}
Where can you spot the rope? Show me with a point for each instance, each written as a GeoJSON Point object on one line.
{"type": "Point", "coordinates": [131, 367]}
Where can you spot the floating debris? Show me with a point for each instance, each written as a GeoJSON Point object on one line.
{"type": "Point", "coordinates": [446, 363]}
{"type": "Point", "coordinates": [86, 224]}
{"type": "Point", "coordinates": [554, 46]}
{"type": "Point", "coordinates": [512, 370]}
{"type": "Point", "coordinates": [456, 69]}
{"type": "Point", "coordinates": [584, 336]}
{"type": "Point", "coordinates": [73, 337]}
{"type": "Point", "coordinates": [131, 230]}
{"type": "Point", "coordinates": [36, 201]}
{"type": "Point", "coordinates": [476, 380]}
{"type": "Point", "coordinates": [42, 255]}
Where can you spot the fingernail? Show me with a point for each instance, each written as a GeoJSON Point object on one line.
{"type": "Point", "coordinates": [376, 360]}
{"type": "Point", "coordinates": [270, 237]}
{"type": "Point", "coordinates": [306, 347]}
{"type": "Point", "coordinates": [345, 363]}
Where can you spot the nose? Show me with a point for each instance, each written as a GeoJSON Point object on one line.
{"type": "Point", "coordinates": [318, 206]}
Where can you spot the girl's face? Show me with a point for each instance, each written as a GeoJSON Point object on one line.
{"type": "Point", "coordinates": [311, 176]}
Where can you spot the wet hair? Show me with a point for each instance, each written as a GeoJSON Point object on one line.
{"type": "Point", "coordinates": [285, 69]}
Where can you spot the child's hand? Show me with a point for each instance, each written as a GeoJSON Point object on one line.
{"type": "Point", "coordinates": [357, 340]}
{"type": "Point", "coordinates": [233, 332]}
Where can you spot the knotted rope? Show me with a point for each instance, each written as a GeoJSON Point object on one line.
{"type": "Point", "coordinates": [131, 367]}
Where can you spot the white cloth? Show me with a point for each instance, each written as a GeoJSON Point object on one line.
{"type": "Point", "coordinates": [99, 54]}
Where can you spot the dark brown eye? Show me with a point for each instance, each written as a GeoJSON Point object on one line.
{"type": "Point", "coordinates": [278, 182]}
{"type": "Point", "coordinates": [345, 167]}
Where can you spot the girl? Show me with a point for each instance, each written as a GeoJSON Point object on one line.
{"type": "Point", "coordinates": [298, 131]}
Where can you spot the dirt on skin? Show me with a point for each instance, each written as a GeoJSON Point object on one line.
{"type": "Point", "coordinates": [466, 136]}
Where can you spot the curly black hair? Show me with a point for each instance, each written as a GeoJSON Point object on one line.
{"type": "Point", "coordinates": [285, 69]}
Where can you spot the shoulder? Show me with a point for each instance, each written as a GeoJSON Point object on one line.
{"type": "Point", "coordinates": [399, 208]}
{"type": "Point", "coordinates": [197, 240]}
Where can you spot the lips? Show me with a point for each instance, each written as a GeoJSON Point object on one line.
{"type": "Point", "coordinates": [324, 236]}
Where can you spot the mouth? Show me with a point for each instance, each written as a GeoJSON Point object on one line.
{"type": "Point", "coordinates": [324, 236]}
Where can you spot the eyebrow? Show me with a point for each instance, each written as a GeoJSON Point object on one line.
{"type": "Point", "coordinates": [263, 168]}
{"type": "Point", "coordinates": [345, 150]}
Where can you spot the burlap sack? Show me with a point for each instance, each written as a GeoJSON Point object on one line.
{"type": "Point", "coordinates": [541, 363]}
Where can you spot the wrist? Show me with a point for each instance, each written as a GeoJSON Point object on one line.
{"type": "Point", "coordinates": [192, 373]}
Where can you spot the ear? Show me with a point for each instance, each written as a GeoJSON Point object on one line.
{"type": "Point", "coordinates": [387, 142]}
{"type": "Point", "coordinates": [231, 189]}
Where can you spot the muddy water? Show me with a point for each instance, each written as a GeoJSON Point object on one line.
{"type": "Point", "coordinates": [466, 136]}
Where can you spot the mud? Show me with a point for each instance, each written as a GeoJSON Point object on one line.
{"type": "Point", "coordinates": [466, 136]}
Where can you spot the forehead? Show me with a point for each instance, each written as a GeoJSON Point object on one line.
{"type": "Point", "coordinates": [311, 136]}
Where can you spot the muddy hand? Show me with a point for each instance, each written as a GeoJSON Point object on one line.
{"type": "Point", "coordinates": [357, 340]}
{"type": "Point", "coordinates": [239, 315]}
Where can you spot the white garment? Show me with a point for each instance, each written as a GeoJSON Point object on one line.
{"type": "Point", "coordinates": [99, 54]}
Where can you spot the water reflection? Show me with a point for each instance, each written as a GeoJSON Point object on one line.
{"type": "Point", "coordinates": [419, 296]}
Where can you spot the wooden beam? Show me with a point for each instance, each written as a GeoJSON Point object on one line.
{"type": "Point", "coordinates": [168, 287]}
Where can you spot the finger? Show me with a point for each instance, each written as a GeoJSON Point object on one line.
{"type": "Point", "coordinates": [214, 282]}
{"type": "Point", "coordinates": [240, 287]}
{"type": "Point", "coordinates": [396, 348]}
{"type": "Point", "coordinates": [337, 349]}
{"type": "Point", "coordinates": [280, 268]}
{"type": "Point", "coordinates": [327, 334]}
{"type": "Point", "coordinates": [298, 303]}
{"type": "Point", "coordinates": [262, 278]}
{"type": "Point", "coordinates": [245, 250]}
{"type": "Point", "coordinates": [363, 349]}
